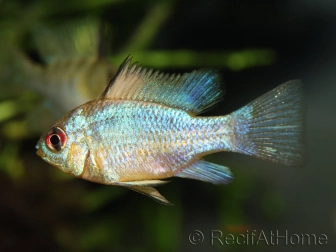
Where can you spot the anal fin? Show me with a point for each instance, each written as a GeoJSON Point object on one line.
{"type": "Point", "coordinates": [208, 172]}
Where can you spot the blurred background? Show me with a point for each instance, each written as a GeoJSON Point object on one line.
{"type": "Point", "coordinates": [55, 55]}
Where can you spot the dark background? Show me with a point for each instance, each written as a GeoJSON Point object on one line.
{"type": "Point", "coordinates": [44, 210]}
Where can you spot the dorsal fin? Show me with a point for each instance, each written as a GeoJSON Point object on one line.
{"type": "Point", "coordinates": [194, 92]}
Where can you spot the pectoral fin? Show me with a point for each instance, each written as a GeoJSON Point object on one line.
{"type": "Point", "coordinates": [150, 192]}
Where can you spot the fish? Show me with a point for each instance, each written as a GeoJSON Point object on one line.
{"type": "Point", "coordinates": [146, 127]}
{"type": "Point", "coordinates": [71, 67]}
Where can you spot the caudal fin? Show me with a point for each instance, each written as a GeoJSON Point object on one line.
{"type": "Point", "coordinates": [272, 126]}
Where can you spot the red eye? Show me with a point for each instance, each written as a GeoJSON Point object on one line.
{"type": "Point", "coordinates": [56, 139]}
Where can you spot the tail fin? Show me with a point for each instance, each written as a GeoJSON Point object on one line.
{"type": "Point", "coordinates": [272, 126]}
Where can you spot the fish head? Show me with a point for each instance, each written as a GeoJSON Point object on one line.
{"type": "Point", "coordinates": [63, 145]}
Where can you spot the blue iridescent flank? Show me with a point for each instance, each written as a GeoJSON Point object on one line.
{"type": "Point", "coordinates": [138, 136]}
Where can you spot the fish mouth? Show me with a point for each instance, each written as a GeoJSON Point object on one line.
{"type": "Point", "coordinates": [39, 152]}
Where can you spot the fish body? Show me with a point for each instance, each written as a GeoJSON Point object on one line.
{"type": "Point", "coordinates": [148, 140]}
{"type": "Point", "coordinates": [145, 127]}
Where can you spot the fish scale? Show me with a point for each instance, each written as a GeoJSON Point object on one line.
{"type": "Point", "coordinates": [133, 137]}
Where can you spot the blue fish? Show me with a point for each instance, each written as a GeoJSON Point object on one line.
{"type": "Point", "coordinates": [145, 127]}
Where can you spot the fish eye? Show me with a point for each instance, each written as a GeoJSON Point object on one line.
{"type": "Point", "coordinates": [55, 139]}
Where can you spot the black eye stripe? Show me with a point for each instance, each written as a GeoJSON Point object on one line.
{"type": "Point", "coordinates": [54, 130]}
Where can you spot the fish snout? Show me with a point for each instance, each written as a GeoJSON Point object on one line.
{"type": "Point", "coordinates": [39, 152]}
